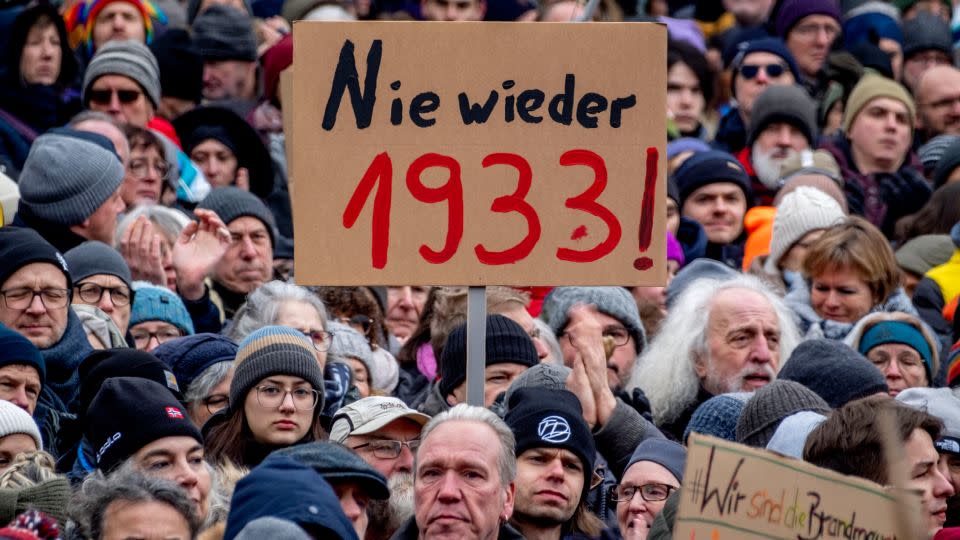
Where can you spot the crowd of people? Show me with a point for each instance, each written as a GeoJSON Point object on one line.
{"type": "Point", "coordinates": [163, 375]}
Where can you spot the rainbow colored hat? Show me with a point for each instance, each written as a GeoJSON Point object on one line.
{"type": "Point", "coordinates": [82, 15]}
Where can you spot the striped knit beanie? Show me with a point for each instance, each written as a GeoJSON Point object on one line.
{"type": "Point", "coordinates": [274, 350]}
{"type": "Point", "coordinates": [953, 366]}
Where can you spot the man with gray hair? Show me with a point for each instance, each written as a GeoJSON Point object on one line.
{"type": "Point", "coordinates": [463, 484]}
{"type": "Point", "coordinates": [725, 336]}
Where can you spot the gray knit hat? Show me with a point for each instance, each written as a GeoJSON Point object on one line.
{"type": "Point", "coordinates": [223, 32]}
{"type": "Point", "coordinates": [770, 405]}
{"type": "Point", "coordinates": [926, 32]}
{"type": "Point", "coordinates": [128, 58]}
{"type": "Point", "coordinates": [922, 253]}
{"type": "Point", "coordinates": [92, 258]}
{"type": "Point", "coordinates": [67, 177]}
{"type": "Point", "coordinates": [613, 301]}
{"type": "Point", "coordinates": [784, 103]}
{"type": "Point", "coordinates": [836, 372]}
{"type": "Point", "coordinates": [338, 463]}
{"type": "Point", "coordinates": [231, 203]}
{"type": "Point", "coordinates": [274, 350]}
{"type": "Point", "coordinates": [348, 343]}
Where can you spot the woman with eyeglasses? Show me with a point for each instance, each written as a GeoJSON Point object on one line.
{"type": "Point", "coordinates": [102, 280]}
{"type": "Point", "coordinates": [158, 316]}
{"type": "Point", "coordinates": [275, 399]}
{"type": "Point", "coordinates": [654, 472]}
{"type": "Point", "coordinates": [147, 169]}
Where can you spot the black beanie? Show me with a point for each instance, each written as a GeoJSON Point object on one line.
{"type": "Point", "coordinates": [231, 203]}
{"type": "Point", "coordinates": [549, 418]}
{"type": "Point", "coordinates": [181, 68]}
{"type": "Point", "coordinates": [99, 366]}
{"type": "Point", "coordinates": [507, 343]}
{"type": "Point", "coordinates": [833, 370]}
{"type": "Point", "coordinates": [710, 167]}
{"type": "Point", "coordinates": [129, 413]}
{"type": "Point", "coordinates": [21, 246]}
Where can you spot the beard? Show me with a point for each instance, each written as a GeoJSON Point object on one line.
{"type": "Point", "coordinates": [387, 516]}
{"type": "Point", "coordinates": [734, 383]}
{"type": "Point", "coordinates": [767, 164]}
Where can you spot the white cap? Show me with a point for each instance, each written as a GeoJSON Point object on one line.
{"type": "Point", "coordinates": [15, 420]}
{"type": "Point", "coordinates": [801, 211]}
{"type": "Point", "coordinates": [369, 414]}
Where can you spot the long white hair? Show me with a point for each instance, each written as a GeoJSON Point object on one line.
{"type": "Point", "coordinates": [665, 371]}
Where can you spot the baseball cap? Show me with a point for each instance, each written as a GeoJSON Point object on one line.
{"type": "Point", "coordinates": [369, 414]}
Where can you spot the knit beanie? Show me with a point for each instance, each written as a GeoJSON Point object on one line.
{"type": "Point", "coordinates": [791, 435]}
{"type": "Point", "coordinates": [68, 176]}
{"type": "Point", "coordinates": [231, 203]}
{"type": "Point", "coordinates": [873, 86]}
{"type": "Point", "coordinates": [717, 416]}
{"type": "Point", "coordinates": [784, 103]}
{"type": "Point", "coordinates": [179, 64]}
{"type": "Point", "coordinates": [902, 333]}
{"type": "Point", "coordinates": [686, 144]}
{"type": "Point", "coordinates": [804, 210]}
{"type": "Point", "coordinates": [105, 364]}
{"type": "Point", "coordinates": [921, 253]}
{"type": "Point", "coordinates": [758, 225]}
{"type": "Point", "coordinates": [274, 528]}
{"type": "Point", "coordinates": [826, 180]}
{"type": "Point", "coordinates": [770, 405]}
{"type": "Point", "coordinates": [707, 168]}
{"type": "Point", "coordinates": [674, 250]}
{"type": "Point", "coordinates": [696, 270]}
{"type": "Point", "coordinates": [129, 413]}
{"type": "Point", "coordinates": [834, 371]}
{"type": "Point", "coordinates": [93, 258]}
{"type": "Point", "coordinates": [616, 302]}
{"type": "Point", "coordinates": [949, 161]}
{"type": "Point", "coordinates": [188, 357]}
{"type": "Point", "coordinates": [50, 496]}
{"type": "Point", "coordinates": [942, 403]}
{"type": "Point", "coordinates": [15, 420]}
{"type": "Point", "coordinates": [223, 32]}
{"type": "Point", "coordinates": [506, 343]}
{"type": "Point", "coordinates": [193, 9]}
{"type": "Point", "coordinates": [933, 150]}
{"type": "Point", "coordinates": [129, 58]}
{"type": "Point", "coordinates": [771, 45]}
{"type": "Point", "coordinates": [673, 192]}
{"type": "Point", "coordinates": [153, 303]}
{"type": "Point", "coordinates": [666, 453]}
{"type": "Point", "coordinates": [274, 350]}
{"type": "Point", "coordinates": [926, 32]}
{"type": "Point", "coordinates": [338, 463]}
{"type": "Point", "coordinates": [791, 11]}
{"type": "Point", "coordinates": [866, 26]}
{"type": "Point", "coordinates": [18, 350]}
{"type": "Point", "coordinates": [542, 375]}
{"type": "Point", "coordinates": [546, 418]}
{"type": "Point", "coordinates": [21, 246]}
{"type": "Point", "coordinates": [348, 343]}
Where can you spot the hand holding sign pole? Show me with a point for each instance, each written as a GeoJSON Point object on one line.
{"type": "Point", "coordinates": [423, 158]}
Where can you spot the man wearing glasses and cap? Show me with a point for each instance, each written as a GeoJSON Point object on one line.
{"type": "Point", "coordinates": [386, 434]}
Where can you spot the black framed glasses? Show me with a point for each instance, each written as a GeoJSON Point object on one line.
{"type": "Point", "coordinates": [388, 448]}
{"type": "Point", "coordinates": [750, 71]}
{"type": "Point", "coordinates": [103, 97]}
{"type": "Point", "coordinates": [142, 338]}
{"type": "Point", "coordinates": [215, 403]}
{"type": "Point", "coordinates": [91, 293]}
{"type": "Point", "coordinates": [271, 397]}
{"type": "Point", "coordinates": [652, 492]}
{"type": "Point", "coordinates": [320, 338]}
{"type": "Point", "coordinates": [22, 297]}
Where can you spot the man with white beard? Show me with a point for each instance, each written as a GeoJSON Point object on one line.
{"type": "Point", "coordinates": [386, 434]}
{"type": "Point", "coordinates": [725, 336]}
{"type": "Point", "coordinates": [783, 124]}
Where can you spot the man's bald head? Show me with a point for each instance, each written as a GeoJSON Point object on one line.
{"type": "Point", "coordinates": [938, 101]}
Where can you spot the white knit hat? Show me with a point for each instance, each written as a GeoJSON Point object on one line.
{"type": "Point", "coordinates": [803, 210]}
{"type": "Point", "coordinates": [15, 420]}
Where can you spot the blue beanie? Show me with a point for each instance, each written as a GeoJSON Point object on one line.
{"type": "Point", "coordinates": [190, 356]}
{"type": "Point", "coordinates": [707, 168]}
{"type": "Point", "coordinates": [859, 29]}
{"type": "Point", "coordinates": [18, 350]}
{"type": "Point", "coordinates": [770, 45]}
{"type": "Point", "coordinates": [153, 303]}
{"type": "Point", "coordinates": [718, 416]}
{"type": "Point", "coordinates": [898, 332]}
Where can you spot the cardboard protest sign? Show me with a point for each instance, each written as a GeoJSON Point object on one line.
{"type": "Point", "coordinates": [733, 491]}
{"type": "Point", "coordinates": [479, 153]}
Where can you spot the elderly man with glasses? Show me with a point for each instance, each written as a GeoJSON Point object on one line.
{"type": "Point", "coordinates": [386, 434]}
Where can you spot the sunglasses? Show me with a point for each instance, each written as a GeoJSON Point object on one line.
{"type": "Point", "coordinates": [749, 71]}
{"type": "Point", "coordinates": [103, 97]}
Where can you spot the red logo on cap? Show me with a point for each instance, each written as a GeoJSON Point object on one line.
{"type": "Point", "coordinates": [174, 412]}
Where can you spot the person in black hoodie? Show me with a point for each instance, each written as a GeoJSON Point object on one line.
{"type": "Point", "coordinates": [35, 93]}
